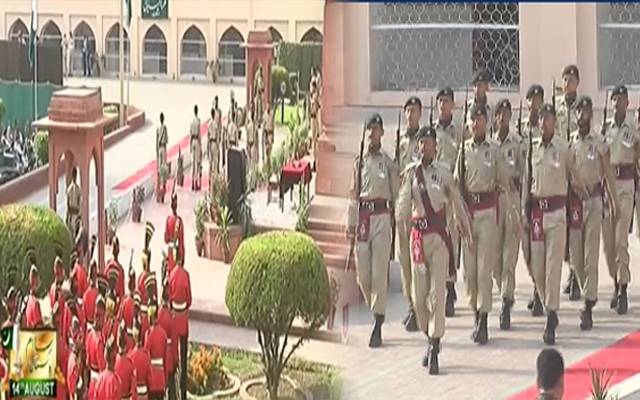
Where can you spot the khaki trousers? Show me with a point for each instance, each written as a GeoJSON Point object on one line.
{"type": "Point", "coordinates": [547, 256]}
{"type": "Point", "coordinates": [507, 255]}
{"type": "Point", "coordinates": [214, 156]}
{"type": "Point", "coordinates": [404, 252]}
{"type": "Point", "coordinates": [429, 286]}
{"type": "Point", "coordinates": [616, 239]}
{"type": "Point", "coordinates": [455, 239]}
{"type": "Point", "coordinates": [480, 261]}
{"type": "Point", "coordinates": [584, 247]}
{"type": "Point", "coordinates": [372, 263]}
{"type": "Point", "coordinates": [196, 161]}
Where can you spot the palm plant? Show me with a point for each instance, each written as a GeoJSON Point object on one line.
{"type": "Point", "coordinates": [601, 384]}
{"type": "Point", "coordinates": [223, 237]}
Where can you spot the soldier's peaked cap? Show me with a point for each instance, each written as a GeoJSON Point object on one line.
{"type": "Point", "coordinates": [477, 110]}
{"type": "Point", "coordinates": [374, 119]}
{"type": "Point", "coordinates": [584, 101]}
{"type": "Point", "coordinates": [426, 132]}
{"type": "Point", "coordinates": [535, 90]}
{"type": "Point", "coordinates": [446, 92]}
{"type": "Point", "coordinates": [504, 103]}
{"type": "Point", "coordinates": [571, 70]}
{"type": "Point", "coordinates": [547, 109]}
{"type": "Point", "coordinates": [618, 90]}
{"type": "Point", "coordinates": [103, 284]}
{"type": "Point", "coordinates": [481, 76]}
{"type": "Point", "coordinates": [413, 100]}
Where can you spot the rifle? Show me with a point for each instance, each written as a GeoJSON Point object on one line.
{"type": "Point", "coordinates": [462, 166]}
{"type": "Point", "coordinates": [520, 120]}
{"type": "Point", "coordinates": [357, 193]}
{"type": "Point", "coordinates": [603, 132]}
{"type": "Point", "coordinates": [431, 113]}
{"type": "Point", "coordinates": [393, 219]}
{"type": "Point", "coordinates": [553, 95]}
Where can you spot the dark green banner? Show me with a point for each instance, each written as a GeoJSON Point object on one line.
{"type": "Point", "coordinates": [155, 9]}
{"type": "Point", "coordinates": [32, 388]}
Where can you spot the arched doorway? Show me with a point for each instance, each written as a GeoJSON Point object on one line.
{"type": "Point", "coordinates": [193, 54]}
{"type": "Point", "coordinates": [51, 35]}
{"type": "Point", "coordinates": [82, 30]}
{"type": "Point", "coordinates": [312, 35]}
{"type": "Point", "coordinates": [276, 37]}
{"type": "Point", "coordinates": [231, 54]}
{"type": "Point", "coordinates": [154, 53]}
{"type": "Point", "coordinates": [112, 50]}
{"type": "Point", "coordinates": [19, 31]}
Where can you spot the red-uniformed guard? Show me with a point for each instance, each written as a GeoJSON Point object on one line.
{"type": "Point", "coordinates": [180, 293]}
{"type": "Point", "coordinates": [124, 368]}
{"type": "Point", "coordinates": [73, 308]}
{"type": "Point", "coordinates": [156, 345]}
{"type": "Point", "coordinates": [108, 386]}
{"type": "Point", "coordinates": [165, 320]}
{"type": "Point", "coordinates": [174, 227]}
{"type": "Point", "coordinates": [76, 364]}
{"type": "Point", "coordinates": [94, 346]}
{"type": "Point", "coordinates": [62, 350]}
{"type": "Point", "coordinates": [127, 310]}
{"type": "Point", "coordinates": [142, 279]}
{"type": "Point", "coordinates": [114, 265]}
{"type": "Point", "coordinates": [141, 362]}
{"type": "Point", "coordinates": [90, 295]}
{"type": "Point", "coordinates": [33, 317]}
{"type": "Point", "coordinates": [58, 278]}
{"type": "Point", "coordinates": [11, 306]}
{"type": "Point", "coordinates": [4, 370]}
{"type": "Point", "coordinates": [79, 269]}
{"type": "Point", "coordinates": [110, 328]}
{"type": "Point", "coordinates": [171, 257]}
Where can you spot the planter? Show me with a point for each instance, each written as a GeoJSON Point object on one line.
{"type": "Point", "coordinates": [213, 250]}
{"type": "Point", "coordinates": [200, 248]}
{"type": "Point", "coordinates": [285, 379]}
{"type": "Point", "coordinates": [220, 394]}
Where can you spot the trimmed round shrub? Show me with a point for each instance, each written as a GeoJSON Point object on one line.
{"type": "Point", "coordinates": [25, 231]}
{"type": "Point", "coordinates": [279, 74]}
{"type": "Point", "coordinates": [41, 147]}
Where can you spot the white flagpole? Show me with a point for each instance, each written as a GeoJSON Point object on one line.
{"type": "Point", "coordinates": [121, 62]}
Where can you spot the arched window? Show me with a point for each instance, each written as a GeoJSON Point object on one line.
{"type": "Point", "coordinates": [275, 35]}
{"type": "Point", "coordinates": [193, 57]}
{"type": "Point", "coordinates": [51, 35]}
{"type": "Point", "coordinates": [312, 35]}
{"type": "Point", "coordinates": [19, 31]}
{"type": "Point", "coordinates": [112, 50]}
{"type": "Point", "coordinates": [154, 53]}
{"type": "Point", "coordinates": [82, 30]}
{"type": "Point", "coordinates": [231, 54]}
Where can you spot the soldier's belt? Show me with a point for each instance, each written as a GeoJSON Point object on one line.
{"type": "Point", "coordinates": [179, 307]}
{"type": "Point", "coordinates": [481, 200]}
{"type": "Point", "coordinates": [126, 397]}
{"type": "Point", "coordinates": [549, 204]}
{"type": "Point", "coordinates": [595, 190]}
{"type": "Point", "coordinates": [625, 171]}
{"type": "Point", "coordinates": [428, 225]}
{"type": "Point", "coordinates": [94, 373]}
{"type": "Point", "coordinates": [169, 341]}
{"type": "Point", "coordinates": [143, 308]}
{"type": "Point", "coordinates": [157, 362]}
{"type": "Point", "coordinates": [141, 390]}
{"type": "Point", "coordinates": [130, 331]}
{"type": "Point", "coordinates": [375, 206]}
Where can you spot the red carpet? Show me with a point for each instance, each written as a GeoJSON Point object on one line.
{"type": "Point", "coordinates": [621, 359]}
{"type": "Point", "coordinates": [150, 168]}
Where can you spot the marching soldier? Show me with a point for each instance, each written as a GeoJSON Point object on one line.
{"type": "Point", "coordinates": [544, 212]}
{"type": "Point", "coordinates": [374, 187]}
{"type": "Point", "coordinates": [624, 144]}
{"type": "Point", "coordinates": [74, 201]}
{"type": "Point", "coordinates": [33, 316]}
{"type": "Point", "coordinates": [166, 321]}
{"type": "Point", "coordinates": [79, 269]}
{"type": "Point", "coordinates": [91, 296]}
{"type": "Point", "coordinates": [124, 368]}
{"type": "Point", "coordinates": [62, 350]}
{"type": "Point", "coordinates": [156, 345]}
{"type": "Point", "coordinates": [58, 278]}
{"type": "Point", "coordinates": [504, 274]}
{"type": "Point", "coordinates": [141, 363]}
{"type": "Point", "coordinates": [180, 294]}
{"type": "Point", "coordinates": [592, 160]}
{"type": "Point", "coordinates": [252, 142]}
{"type": "Point", "coordinates": [144, 278]}
{"type": "Point", "coordinates": [95, 346]}
{"type": "Point", "coordinates": [232, 130]}
{"type": "Point", "coordinates": [162, 140]}
{"type": "Point", "coordinates": [110, 328]}
{"type": "Point", "coordinates": [127, 310]}
{"type": "Point", "coordinates": [174, 227]}
{"type": "Point", "coordinates": [268, 137]}
{"type": "Point", "coordinates": [76, 363]}
{"type": "Point", "coordinates": [480, 82]}
{"type": "Point", "coordinates": [108, 385]}
{"type": "Point", "coordinates": [408, 152]}
{"type": "Point", "coordinates": [196, 151]}
{"type": "Point", "coordinates": [213, 134]}
{"type": "Point", "coordinates": [484, 175]}
{"type": "Point", "coordinates": [114, 268]}
{"type": "Point", "coordinates": [449, 138]}
{"type": "Point", "coordinates": [422, 207]}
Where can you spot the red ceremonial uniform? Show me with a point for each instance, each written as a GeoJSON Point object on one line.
{"type": "Point", "coordinates": [33, 314]}
{"type": "Point", "coordinates": [126, 312]}
{"type": "Point", "coordinates": [170, 233]}
{"type": "Point", "coordinates": [180, 294]}
{"type": "Point", "coordinates": [107, 386]}
{"type": "Point", "coordinates": [126, 372]}
{"type": "Point", "coordinates": [82, 279]}
{"type": "Point", "coordinates": [94, 347]}
{"type": "Point", "coordinates": [62, 354]}
{"type": "Point", "coordinates": [156, 345]}
{"type": "Point", "coordinates": [171, 262]}
{"type": "Point", "coordinates": [68, 317]}
{"type": "Point", "coordinates": [110, 328]}
{"type": "Point", "coordinates": [113, 264]}
{"type": "Point", "coordinates": [142, 364]}
{"type": "Point", "coordinates": [165, 320]}
{"type": "Point", "coordinates": [89, 303]}
{"type": "Point", "coordinates": [4, 368]}
{"type": "Point", "coordinates": [73, 373]}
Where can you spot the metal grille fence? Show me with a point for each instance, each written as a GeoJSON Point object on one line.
{"type": "Point", "coordinates": [154, 56]}
{"type": "Point", "coordinates": [112, 55]}
{"type": "Point", "coordinates": [619, 43]}
{"type": "Point", "coordinates": [231, 58]}
{"type": "Point", "coordinates": [193, 58]}
{"type": "Point", "coordinates": [425, 46]}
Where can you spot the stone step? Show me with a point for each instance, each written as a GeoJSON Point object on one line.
{"type": "Point", "coordinates": [339, 249]}
{"type": "Point", "coordinates": [336, 261]}
{"type": "Point", "coordinates": [319, 223]}
{"type": "Point", "coordinates": [328, 236]}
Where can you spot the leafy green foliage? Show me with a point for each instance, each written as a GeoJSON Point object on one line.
{"type": "Point", "coordinates": [601, 384]}
{"type": "Point", "coordinates": [279, 74]}
{"type": "Point", "coordinates": [300, 57]}
{"type": "Point", "coordinates": [29, 229]}
{"type": "Point", "coordinates": [302, 223]}
{"type": "Point", "coordinates": [223, 238]}
{"type": "Point", "coordinates": [3, 111]}
{"type": "Point", "coordinates": [41, 147]}
{"type": "Point", "coordinates": [201, 214]}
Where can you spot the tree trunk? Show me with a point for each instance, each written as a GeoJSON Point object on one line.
{"type": "Point", "coordinates": [273, 381]}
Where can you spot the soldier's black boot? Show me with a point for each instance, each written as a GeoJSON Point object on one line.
{"type": "Point", "coordinates": [406, 318]}
{"type": "Point", "coordinates": [586, 317]}
{"type": "Point", "coordinates": [537, 309]}
{"type": "Point", "coordinates": [622, 300]}
{"type": "Point", "coordinates": [532, 300]}
{"type": "Point", "coordinates": [567, 287]}
{"type": "Point", "coordinates": [483, 330]}
{"type": "Point", "coordinates": [474, 335]}
{"type": "Point", "coordinates": [412, 324]}
{"type": "Point", "coordinates": [432, 354]}
{"type": "Point", "coordinates": [450, 307]}
{"type": "Point", "coordinates": [574, 293]}
{"type": "Point", "coordinates": [614, 299]}
{"type": "Point", "coordinates": [549, 335]}
{"type": "Point", "coordinates": [376, 335]}
{"type": "Point", "coordinates": [505, 314]}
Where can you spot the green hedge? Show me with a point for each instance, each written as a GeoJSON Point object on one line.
{"type": "Point", "coordinates": [300, 57]}
{"type": "Point", "coordinates": [279, 74]}
{"type": "Point", "coordinates": [3, 111]}
{"type": "Point", "coordinates": [28, 228]}
{"type": "Point", "coordinates": [41, 147]}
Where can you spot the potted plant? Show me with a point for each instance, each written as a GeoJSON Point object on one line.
{"type": "Point", "coordinates": [180, 169]}
{"type": "Point", "coordinates": [206, 376]}
{"type": "Point", "coordinates": [201, 214]}
{"type": "Point", "coordinates": [137, 200]}
{"type": "Point", "coordinates": [112, 221]}
{"type": "Point", "coordinates": [601, 384]}
{"type": "Point", "coordinates": [163, 175]}
{"type": "Point", "coordinates": [223, 236]}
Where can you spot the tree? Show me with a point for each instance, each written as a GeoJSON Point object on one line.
{"type": "Point", "coordinates": [277, 278]}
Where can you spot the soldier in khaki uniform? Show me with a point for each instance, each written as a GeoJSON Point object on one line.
{"type": "Point", "coordinates": [213, 132]}
{"type": "Point", "coordinates": [162, 139]}
{"type": "Point", "coordinates": [623, 141]}
{"type": "Point", "coordinates": [480, 82]}
{"type": "Point", "coordinates": [370, 219]}
{"type": "Point", "coordinates": [531, 126]}
{"type": "Point", "coordinates": [408, 154]}
{"type": "Point", "coordinates": [428, 189]}
{"type": "Point", "coordinates": [252, 141]}
{"type": "Point", "coordinates": [510, 145]}
{"type": "Point", "coordinates": [196, 151]}
{"type": "Point", "coordinates": [544, 211]}
{"type": "Point", "coordinates": [484, 175]}
{"type": "Point", "coordinates": [449, 138]}
{"type": "Point", "coordinates": [74, 200]}
{"type": "Point", "coordinates": [592, 161]}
